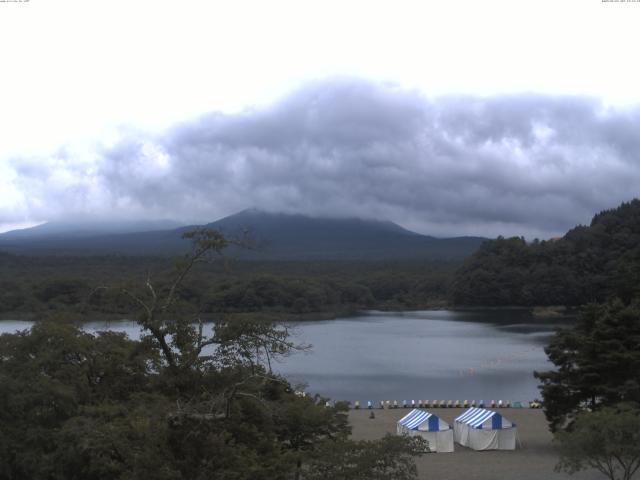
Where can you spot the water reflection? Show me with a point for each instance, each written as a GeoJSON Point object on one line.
{"type": "Point", "coordinates": [424, 355]}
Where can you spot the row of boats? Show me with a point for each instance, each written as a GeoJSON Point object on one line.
{"type": "Point", "coordinates": [448, 404]}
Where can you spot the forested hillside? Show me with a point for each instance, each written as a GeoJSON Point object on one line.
{"type": "Point", "coordinates": [589, 264]}
{"type": "Point", "coordinates": [31, 286]}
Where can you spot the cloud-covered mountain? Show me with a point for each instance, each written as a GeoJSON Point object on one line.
{"type": "Point", "coordinates": [274, 236]}
{"type": "Point", "coordinates": [294, 236]}
{"type": "Point", "coordinates": [83, 229]}
{"type": "Point", "coordinates": [525, 164]}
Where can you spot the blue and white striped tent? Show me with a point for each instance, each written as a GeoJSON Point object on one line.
{"type": "Point", "coordinates": [483, 429]}
{"type": "Point", "coordinates": [432, 428]}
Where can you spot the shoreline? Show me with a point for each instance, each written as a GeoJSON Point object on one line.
{"type": "Point", "coordinates": [538, 313]}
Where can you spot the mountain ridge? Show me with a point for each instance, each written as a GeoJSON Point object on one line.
{"type": "Point", "coordinates": [277, 236]}
{"type": "Point", "coordinates": [88, 228]}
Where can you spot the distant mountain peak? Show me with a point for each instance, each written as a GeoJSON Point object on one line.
{"type": "Point", "coordinates": [278, 236]}
{"type": "Point", "coordinates": [254, 214]}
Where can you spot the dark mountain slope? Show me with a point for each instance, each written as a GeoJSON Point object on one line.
{"type": "Point", "coordinates": [283, 236]}
{"type": "Point", "coordinates": [87, 228]}
{"type": "Point", "coordinates": [276, 237]}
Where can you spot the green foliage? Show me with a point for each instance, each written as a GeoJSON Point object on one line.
{"type": "Point", "coordinates": [80, 406]}
{"type": "Point", "coordinates": [588, 264]}
{"type": "Point", "coordinates": [34, 286]}
{"type": "Point", "coordinates": [48, 376]}
{"type": "Point", "coordinates": [597, 363]}
{"type": "Point", "coordinates": [65, 291]}
{"type": "Point", "coordinates": [174, 405]}
{"type": "Point", "coordinates": [607, 440]}
{"type": "Point", "coordinates": [115, 441]}
{"type": "Point", "coordinates": [302, 421]}
{"type": "Point", "coordinates": [12, 296]}
{"type": "Point", "coordinates": [391, 457]}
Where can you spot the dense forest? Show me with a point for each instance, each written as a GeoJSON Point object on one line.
{"type": "Point", "coordinates": [589, 264]}
{"type": "Point", "coordinates": [32, 286]}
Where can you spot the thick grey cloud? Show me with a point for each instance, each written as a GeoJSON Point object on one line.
{"type": "Point", "coordinates": [529, 165]}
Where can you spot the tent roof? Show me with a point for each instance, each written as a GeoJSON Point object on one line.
{"type": "Point", "coordinates": [416, 417]}
{"type": "Point", "coordinates": [475, 417]}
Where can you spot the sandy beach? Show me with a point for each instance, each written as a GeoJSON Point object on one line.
{"type": "Point", "coordinates": [535, 460]}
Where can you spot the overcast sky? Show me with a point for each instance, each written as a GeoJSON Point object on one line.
{"type": "Point", "coordinates": [450, 118]}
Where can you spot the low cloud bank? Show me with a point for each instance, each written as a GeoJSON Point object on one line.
{"type": "Point", "coordinates": [528, 165]}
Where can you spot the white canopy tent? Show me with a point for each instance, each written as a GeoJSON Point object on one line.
{"type": "Point", "coordinates": [425, 424]}
{"type": "Point", "coordinates": [482, 429]}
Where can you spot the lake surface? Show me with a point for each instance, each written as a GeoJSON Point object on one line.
{"type": "Point", "coordinates": [440, 354]}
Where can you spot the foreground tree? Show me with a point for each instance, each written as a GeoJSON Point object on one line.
{"type": "Point", "coordinates": [56, 378]}
{"type": "Point", "coordinates": [391, 457]}
{"type": "Point", "coordinates": [597, 363]}
{"type": "Point", "coordinates": [178, 404]}
{"type": "Point", "coordinates": [607, 440]}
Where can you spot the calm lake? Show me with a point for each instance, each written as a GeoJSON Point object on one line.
{"type": "Point", "coordinates": [439, 354]}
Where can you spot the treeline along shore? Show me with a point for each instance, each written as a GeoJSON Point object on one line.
{"type": "Point", "coordinates": [33, 286]}
{"type": "Point", "coordinates": [589, 264]}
